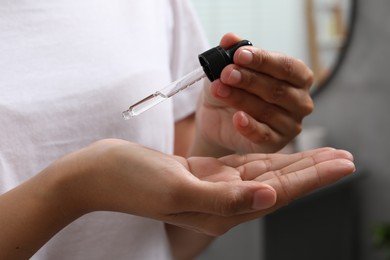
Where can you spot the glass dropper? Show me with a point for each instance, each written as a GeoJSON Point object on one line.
{"type": "Point", "coordinates": [161, 95]}
{"type": "Point", "coordinates": [212, 63]}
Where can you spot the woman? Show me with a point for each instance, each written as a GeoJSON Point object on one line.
{"type": "Point", "coordinates": [69, 68]}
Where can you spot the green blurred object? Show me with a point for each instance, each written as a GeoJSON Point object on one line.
{"type": "Point", "coordinates": [382, 237]}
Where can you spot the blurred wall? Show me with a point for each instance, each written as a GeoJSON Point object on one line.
{"type": "Point", "coordinates": [277, 25]}
{"type": "Point", "coordinates": [355, 109]}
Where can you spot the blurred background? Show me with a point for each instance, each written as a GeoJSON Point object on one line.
{"type": "Point", "coordinates": [345, 43]}
{"type": "Point", "coordinates": [312, 30]}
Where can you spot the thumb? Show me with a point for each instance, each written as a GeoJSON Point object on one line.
{"type": "Point", "coordinates": [233, 198]}
{"type": "Point", "coordinates": [229, 39]}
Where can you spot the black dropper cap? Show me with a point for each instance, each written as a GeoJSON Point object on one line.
{"type": "Point", "coordinates": [214, 60]}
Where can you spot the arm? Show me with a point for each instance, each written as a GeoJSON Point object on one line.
{"type": "Point", "coordinates": [260, 110]}
{"type": "Point", "coordinates": [206, 195]}
{"type": "Point", "coordinates": [107, 176]}
{"type": "Point", "coordinates": [72, 186]}
{"type": "Point", "coordinates": [35, 211]}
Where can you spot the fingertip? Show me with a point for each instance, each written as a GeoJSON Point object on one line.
{"type": "Point", "coordinates": [229, 39]}
{"type": "Point", "coordinates": [347, 155]}
{"type": "Point", "coordinates": [264, 198]}
{"type": "Point", "coordinates": [251, 129]}
{"type": "Point", "coordinates": [241, 119]}
{"type": "Point", "coordinates": [233, 77]}
{"type": "Point", "coordinates": [337, 153]}
{"type": "Point", "coordinates": [350, 165]}
{"type": "Point", "coordinates": [218, 89]}
{"type": "Point", "coordinates": [244, 56]}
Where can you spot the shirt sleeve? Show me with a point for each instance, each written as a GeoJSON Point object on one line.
{"type": "Point", "coordinates": [189, 40]}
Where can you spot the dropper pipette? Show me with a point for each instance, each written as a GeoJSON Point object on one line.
{"type": "Point", "coordinates": [212, 63]}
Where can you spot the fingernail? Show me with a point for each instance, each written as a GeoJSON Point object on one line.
{"type": "Point", "coordinates": [223, 91]}
{"type": "Point", "coordinates": [264, 199]}
{"type": "Point", "coordinates": [244, 120]}
{"type": "Point", "coordinates": [245, 57]}
{"type": "Point", "coordinates": [234, 77]}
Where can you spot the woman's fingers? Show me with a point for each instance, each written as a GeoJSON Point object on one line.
{"type": "Point", "coordinates": [284, 94]}
{"type": "Point", "coordinates": [216, 208]}
{"type": "Point", "coordinates": [290, 175]}
{"type": "Point", "coordinates": [308, 161]}
{"type": "Point", "coordinates": [251, 166]}
{"type": "Point", "coordinates": [297, 183]}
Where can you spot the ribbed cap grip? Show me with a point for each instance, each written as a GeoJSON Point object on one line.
{"type": "Point", "coordinates": [214, 60]}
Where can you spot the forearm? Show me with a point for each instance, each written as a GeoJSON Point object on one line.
{"type": "Point", "coordinates": [31, 214]}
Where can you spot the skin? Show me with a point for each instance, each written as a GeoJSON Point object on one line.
{"type": "Point", "coordinates": [258, 103]}
{"type": "Point", "coordinates": [202, 194]}
{"type": "Point", "coordinates": [205, 189]}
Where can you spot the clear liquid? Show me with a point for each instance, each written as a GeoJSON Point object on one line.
{"type": "Point", "coordinates": [144, 105]}
{"type": "Point", "coordinates": [165, 93]}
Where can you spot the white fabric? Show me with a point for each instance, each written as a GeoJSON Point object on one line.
{"type": "Point", "coordinates": [68, 69]}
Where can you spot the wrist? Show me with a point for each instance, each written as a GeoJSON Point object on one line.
{"type": "Point", "coordinates": [44, 204]}
{"type": "Point", "coordinates": [66, 180]}
{"type": "Point", "coordinates": [202, 147]}
{"type": "Point", "coordinates": [82, 183]}
{"type": "Point", "coordinates": [97, 178]}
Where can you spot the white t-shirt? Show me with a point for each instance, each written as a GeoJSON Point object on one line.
{"type": "Point", "coordinates": [68, 69]}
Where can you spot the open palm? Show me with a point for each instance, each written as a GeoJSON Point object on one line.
{"type": "Point", "coordinates": [290, 175]}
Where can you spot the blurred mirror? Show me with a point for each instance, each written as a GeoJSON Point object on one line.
{"type": "Point", "coordinates": [315, 31]}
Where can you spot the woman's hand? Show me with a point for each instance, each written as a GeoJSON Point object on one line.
{"type": "Point", "coordinates": [258, 103]}
{"type": "Point", "coordinates": [204, 194]}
